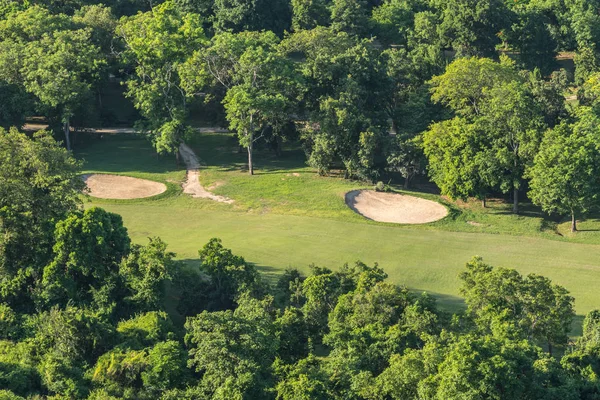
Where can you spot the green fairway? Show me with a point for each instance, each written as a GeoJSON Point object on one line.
{"type": "Point", "coordinates": [287, 216]}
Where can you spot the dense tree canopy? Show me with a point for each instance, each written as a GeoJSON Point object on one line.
{"type": "Point", "coordinates": [466, 93]}
{"type": "Point", "coordinates": [85, 314]}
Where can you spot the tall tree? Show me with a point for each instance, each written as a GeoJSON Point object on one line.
{"type": "Point", "coordinates": [252, 15]}
{"type": "Point", "coordinates": [233, 350]}
{"type": "Point", "coordinates": [259, 79]}
{"type": "Point", "coordinates": [496, 100]}
{"type": "Point", "coordinates": [59, 70]}
{"type": "Point", "coordinates": [509, 305]}
{"type": "Point", "coordinates": [565, 173]}
{"type": "Point", "coordinates": [156, 43]}
{"type": "Point", "coordinates": [40, 186]}
{"type": "Point", "coordinates": [471, 27]}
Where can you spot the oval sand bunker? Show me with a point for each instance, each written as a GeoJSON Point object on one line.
{"type": "Point", "coordinates": [106, 186]}
{"type": "Point", "coordinates": [394, 207]}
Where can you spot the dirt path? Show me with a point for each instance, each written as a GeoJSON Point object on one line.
{"type": "Point", "coordinates": [192, 184]}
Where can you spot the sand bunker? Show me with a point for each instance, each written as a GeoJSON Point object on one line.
{"type": "Point", "coordinates": [394, 207]}
{"type": "Point", "coordinates": [107, 186]}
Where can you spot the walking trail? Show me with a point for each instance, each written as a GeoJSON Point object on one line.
{"type": "Point", "coordinates": [192, 184]}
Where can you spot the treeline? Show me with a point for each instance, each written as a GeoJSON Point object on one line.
{"type": "Point", "coordinates": [86, 314]}
{"type": "Point", "coordinates": [372, 88]}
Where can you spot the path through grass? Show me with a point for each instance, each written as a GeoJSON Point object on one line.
{"type": "Point", "coordinates": [288, 216]}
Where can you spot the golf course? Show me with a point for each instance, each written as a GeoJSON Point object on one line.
{"type": "Point", "coordinates": [287, 216]}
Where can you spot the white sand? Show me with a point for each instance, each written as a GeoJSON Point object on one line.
{"type": "Point", "coordinates": [394, 207]}
{"type": "Point", "coordinates": [107, 186]}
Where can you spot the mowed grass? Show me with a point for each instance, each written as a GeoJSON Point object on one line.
{"type": "Point", "coordinates": [288, 216]}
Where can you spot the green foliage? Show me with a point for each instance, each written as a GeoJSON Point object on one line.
{"type": "Point", "coordinates": [146, 271]}
{"type": "Point", "coordinates": [453, 149]}
{"type": "Point", "coordinates": [509, 305]}
{"type": "Point", "coordinates": [88, 248]}
{"type": "Point", "coordinates": [251, 15]}
{"type": "Point", "coordinates": [17, 368]}
{"type": "Point", "coordinates": [167, 367]}
{"type": "Point", "coordinates": [350, 16]}
{"type": "Point", "coordinates": [463, 85]}
{"type": "Point", "coordinates": [156, 43]}
{"type": "Point", "coordinates": [497, 136]}
{"type": "Point", "coordinates": [344, 98]}
{"type": "Point", "coordinates": [59, 70]}
{"type": "Point", "coordinates": [564, 176]}
{"type": "Point", "coordinates": [230, 275]}
{"type": "Point", "coordinates": [292, 334]}
{"type": "Point", "coordinates": [530, 35]}
{"type": "Point", "coordinates": [145, 329]}
{"type": "Point", "coordinates": [40, 186]}
{"type": "Point", "coordinates": [259, 81]}
{"type": "Point", "coordinates": [471, 27]}
{"type": "Point", "coordinates": [308, 14]}
{"type": "Point", "coordinates": [233, 349]}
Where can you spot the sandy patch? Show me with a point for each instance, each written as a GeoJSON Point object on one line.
{"type": "Point", "coordinates": [106, 186]}
{"type": "Point", "coordinates": [394, 207]}
{"type": "Point", "coordinates": [192, 184]}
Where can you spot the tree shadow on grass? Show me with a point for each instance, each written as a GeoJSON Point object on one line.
{"type": "Point", "coordinates": [222, 150]}
{"type": "Point", "coordinates": [122, 153]}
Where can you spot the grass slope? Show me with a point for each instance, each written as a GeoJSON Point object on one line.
{"type": "Point", "coordinates": [288, 216]}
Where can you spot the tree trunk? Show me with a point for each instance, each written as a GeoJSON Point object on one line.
{"type": "Point", "coordinates": [407, 182]}
{"type": "Point", "coordinates": [549, 348]}
{"type": "Point", "coordinates": [67, 127]}
{"type": "Point", "coordinates": [250, 149]}
{"type": "Point", "coordinates": [279, 146]}
{"type": "Point", "coordinates": [515, 209]}
{"type": "Point", "coordinates": [573, 222]}
{"type": "Point", "coordinates": [483, 203]}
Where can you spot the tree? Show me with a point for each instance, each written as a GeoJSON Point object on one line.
{"type": "Point", "coordinates": [59, 70]}
{"type": "Point", "coordinates": [486, 367]}
{"type": "Point", "coordinates": [41, 185]}
{"type": "Point", "coordinates": [471, 27]}
{"type": "Point", "coordinates": [157, 43]}
{"type": "Point", "coordinates": [251, 15]}
{"type": "Point", "coordinates": [362, 326]}
{"type": "Point", "coordinates": [464, 84]}
{"type": "Point", "coordinates": [292, 334]}
{"type": "Point", "coordinates": [516, 125]}
{"type": "Point", "coordinates": [146, 271]}
{"type": "Point", "coordinates": [233, 350]}
{"type": "Point", "coordinates": [258, 78]}
{"type": "Point", "coordinates": [230, 275]}
{"type": "Point", "coordinates": [394, 19]}
{"type": "Point", "coordinates": [513, 306]}
{"type": "Point", "coordinates": [303, 380]}
{"type": "Point", "coordinates": [457, 162]}
{"type": "Point", "coordinates": [492, 98]}
{"type": "Point", "coordinates": [564, 175]}
{"type": "Point", "coordinates": [308, 14]}
{"type": "Point", "coordinates": [530, 36]}
{"type": "Point", "coordinates": [88, 248]}
{"type": "Point", "coordinates": [350, 16]}
{"type": "Point", "coordinates": [16, 105]}
{"type": "Point", "coordinates": [344, 84]}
